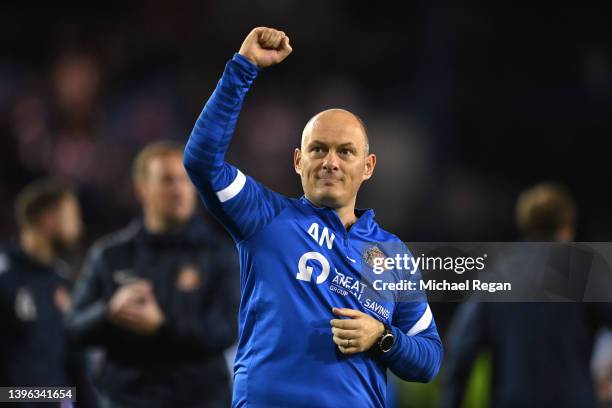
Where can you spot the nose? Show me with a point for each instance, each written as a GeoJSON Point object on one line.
{"type": "Point", "coordinates": [331, 162]}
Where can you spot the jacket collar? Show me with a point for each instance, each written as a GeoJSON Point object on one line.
{"type": "Point", "coordinates": [363, 227]}
{"type": "Point", "coordinates": [194, 232]}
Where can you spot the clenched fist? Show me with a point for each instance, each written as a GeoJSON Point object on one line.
{"type": "Point", "coordinates": [265, 46]}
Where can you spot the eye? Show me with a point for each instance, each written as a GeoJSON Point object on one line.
{"type": "Point", "coordinates": [345, 152]}
{"type": "Point", "coordinates": [316, 149]}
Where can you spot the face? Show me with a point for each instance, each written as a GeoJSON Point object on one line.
{"type": "Point", "coordinates": [333, 160]}
{"type": "Point", "coordinates": [66, 223]}
{"type": "Point", "coordinates": [166, 193]}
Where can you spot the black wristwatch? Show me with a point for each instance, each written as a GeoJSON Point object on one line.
{"type": "Point", "coordinates": [386, 341]}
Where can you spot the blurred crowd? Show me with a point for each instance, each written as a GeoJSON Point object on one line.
{"type": "Point", "coordinates": [464, 106]}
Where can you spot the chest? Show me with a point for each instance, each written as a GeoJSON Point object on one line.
{"type": "Point", "coordinates": [173, 271]}
{"type": "Point", "coordinates": [305, 261]}
{"type": "Point", "coordinates": [37, 302]}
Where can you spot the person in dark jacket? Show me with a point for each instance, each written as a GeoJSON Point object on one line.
{"type": "Point", "coordinates": [160, 297]}
{"type": "Point", "coordinates": [35, 294]}
{"type": "Point", "coordinates": [541, 352]}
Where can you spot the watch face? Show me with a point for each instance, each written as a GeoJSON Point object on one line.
{"type": "Point", "coordinates": [386, 342]}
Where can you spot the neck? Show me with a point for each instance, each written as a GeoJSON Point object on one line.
{"type": "Point", "coordinates": [36, 245]}
{"type": "Point", "coordinates": [347, 215]}
{"type": "Point", "coordinates": [159, 225]}
{"type": "Point", "coordinates": [155, 225]}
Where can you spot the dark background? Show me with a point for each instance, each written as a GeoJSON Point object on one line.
{"type": "Point", "coordinates": [466, 103]}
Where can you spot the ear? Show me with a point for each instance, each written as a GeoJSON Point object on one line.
{"type": "Point", "coordinates": [370, 163]}
{"type": "Point", "coordinates": [297, 161]}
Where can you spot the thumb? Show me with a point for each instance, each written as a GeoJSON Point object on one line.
{"type": "Point", "coordinates": [285, 48]}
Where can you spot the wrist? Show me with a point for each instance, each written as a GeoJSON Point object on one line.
{"type": "Point", "coordinates": [386, 340]}
{"type": "Point", "coordinates": [380, 331]}
{"type": "Point", "coordinates": [247, 56]}
{"type": "Point", "coordinates": [246, 66]}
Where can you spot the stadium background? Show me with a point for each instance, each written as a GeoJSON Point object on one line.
{"type": "Point", "coordinates": [465, 105]}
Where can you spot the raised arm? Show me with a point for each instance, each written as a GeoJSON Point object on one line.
{"type": "Point", "coordinates": [241, 204]}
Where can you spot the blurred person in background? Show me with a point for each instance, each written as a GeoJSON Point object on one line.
{"type": "Point", "coordinates": [35, 293]}
{"type": "Point", "coordinates": [159, 297]}
{"type": "Point", "coordinates": [602, 367]}
{"type": "Point", "coordinates": [541, 352]}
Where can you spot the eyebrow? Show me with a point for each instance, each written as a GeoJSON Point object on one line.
{"type": "Point", "coordinates": [349, 144]}
{"type": "Point", "coordinates": [318, 142]}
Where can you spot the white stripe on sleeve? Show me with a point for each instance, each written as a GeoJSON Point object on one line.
{"type": "Point", "coordinates": [422, 324]}
{"type": "Point", "coordinates": [233, 189]}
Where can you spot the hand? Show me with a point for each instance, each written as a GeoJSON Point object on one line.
{"type": "Point", "coordinates": [356, 334]}
{"type": "Point", "coordinates": [134, 307]}
{"type": "Point", "coordinates": [265, 46]}
{"type": "Point", "coordinates": [127, 295]}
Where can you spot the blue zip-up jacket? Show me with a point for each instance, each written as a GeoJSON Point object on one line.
{"type": "Point", "coordinates": [297, 262]}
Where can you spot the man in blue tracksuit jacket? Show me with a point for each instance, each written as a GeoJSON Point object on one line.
{"type": "Point", "coordinates": [311, 333]}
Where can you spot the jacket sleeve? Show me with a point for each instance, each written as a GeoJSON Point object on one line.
{"type": "Point", "coordinates": [417, 352]}
{"type": "Point", "coordinates": [79, 375]}
{"type": "Point", "coordinates": [466, 336]}
{"type": "Point", "coordinates": [86, 322]}
{"type": "Point", "coordinates": [241, 204]}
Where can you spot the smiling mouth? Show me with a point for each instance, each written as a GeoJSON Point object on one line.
{"type": "Point", "coordinates": [329, 181]}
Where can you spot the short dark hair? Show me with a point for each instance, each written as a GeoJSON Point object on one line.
{"type": "Point", "coordinates": [38, 197]}
{"type": "Point", "coordinates": [543, 209]}
{"type": "Point", "coordinates": [151, 151]}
